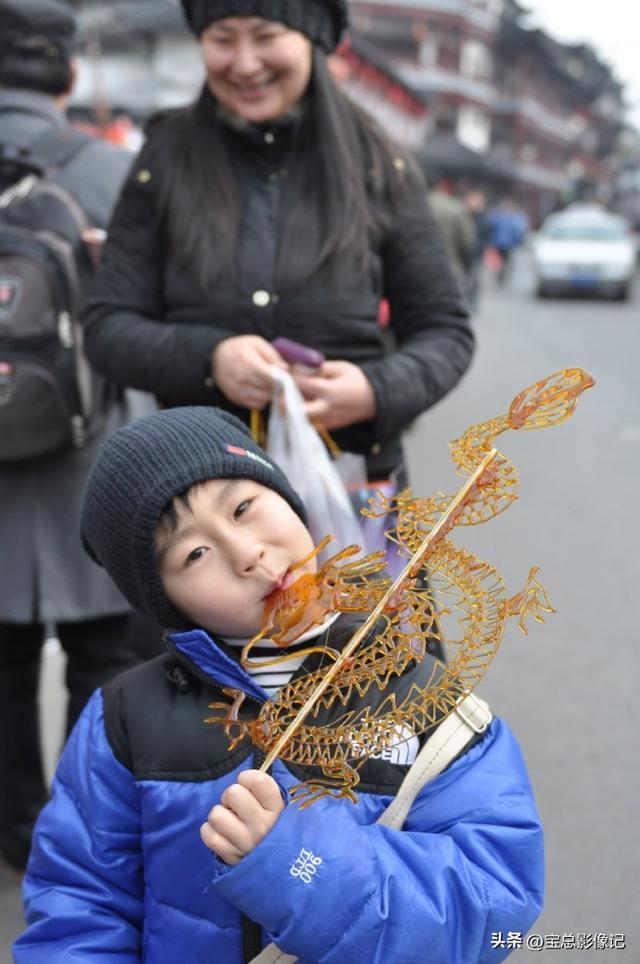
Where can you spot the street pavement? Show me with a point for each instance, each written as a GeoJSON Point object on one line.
{"type": "Point", "coordinates": [567, 689]}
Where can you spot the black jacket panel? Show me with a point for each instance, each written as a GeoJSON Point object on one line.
{"type": "Point", "coordinates": [180, 746]}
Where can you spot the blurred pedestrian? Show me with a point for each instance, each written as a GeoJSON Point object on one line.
{"type": "Point", "coordinates": [45, 576]}
{"type": "Point", "coordinates": [475, 202]}
{"type": "Point", "coordinates": [273, 206]}
{"type": "Point", "coordinates": [508, 228]}
{"type": "Point", "coordinates": [456, 225]}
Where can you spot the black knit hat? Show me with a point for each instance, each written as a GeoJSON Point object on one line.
{"type": "Point", "coordinates": [36, 27]}
{"type": "Point", "coordinates": [140, 469]}
{"type": "Point", "coordinates": [322, 21]}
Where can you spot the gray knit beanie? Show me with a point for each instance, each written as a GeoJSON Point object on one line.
{"type": "Point", "coordinates": [140, 469]}
{"type": "Point", "coordinates": [322, 21]}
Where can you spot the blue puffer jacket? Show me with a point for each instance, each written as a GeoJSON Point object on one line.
{"type": "Point", "coordinates": [118, 871]}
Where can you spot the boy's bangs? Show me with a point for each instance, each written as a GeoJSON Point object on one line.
{"type": "Point", "coordinates": [168, 518]}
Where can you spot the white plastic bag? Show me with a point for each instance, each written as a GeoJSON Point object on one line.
{"type": "Point", "coordinates": [294, 444]}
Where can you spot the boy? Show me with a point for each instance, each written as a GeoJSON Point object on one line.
{"type": "Point", "coordinates": [197, 526]}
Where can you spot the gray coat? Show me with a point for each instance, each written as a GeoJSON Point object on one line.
{"type": "Point", "coordinates": [45, 575]}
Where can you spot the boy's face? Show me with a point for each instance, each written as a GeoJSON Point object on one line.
{"type": "Point", "coordinates": [233, 545]}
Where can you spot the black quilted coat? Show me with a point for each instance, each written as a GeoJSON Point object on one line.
{"type": "Point", "coordinates": [151, 328]}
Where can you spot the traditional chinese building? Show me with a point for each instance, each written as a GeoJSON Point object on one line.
{"type": "Point", "coordinates": [379, 88]}
{"type": "Point", "coordinates": [509, 108]}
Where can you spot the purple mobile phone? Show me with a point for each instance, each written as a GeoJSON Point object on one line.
{"type": "Point", "coordinates": [297, 354]}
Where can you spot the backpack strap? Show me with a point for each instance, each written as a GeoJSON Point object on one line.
{"type": "Point", "coordinates": [49, 152]}
{"type": "Point", "coordinates": [470, 718]}
{"type": "Point", "coordinates": [55, 148]}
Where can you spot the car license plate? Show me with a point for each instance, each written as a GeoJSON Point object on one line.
{"type": "Point", "coordinates": [583, 279]}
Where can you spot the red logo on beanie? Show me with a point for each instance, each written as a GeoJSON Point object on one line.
{"type": "Point", "coordinates": [236, 450]}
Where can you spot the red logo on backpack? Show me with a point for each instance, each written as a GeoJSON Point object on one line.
{"type": "Point", "coordinates": [10, 290]}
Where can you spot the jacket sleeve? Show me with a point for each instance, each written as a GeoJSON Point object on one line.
{"type": "Point", "coordinates": [127, 337]}
{"type": "Point", "coordinates": [429, 318]}
{"type": "Point", "coordinates": [468, 863]}
{"type": "Point", "coordinates": [83, 890]}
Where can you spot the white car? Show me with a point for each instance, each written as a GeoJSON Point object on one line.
{"type": "Point", "coordinates": [584, 249]}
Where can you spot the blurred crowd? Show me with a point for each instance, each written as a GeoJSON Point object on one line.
{"type": "Point", "coordinates": [477, 235]}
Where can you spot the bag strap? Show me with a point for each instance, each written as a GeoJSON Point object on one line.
{"type": "Point", "coordinates": [57, 147]}
{"type": "Point", "coordinates": [257, 427]}
{"type": "Point", "coordinates": [49, 152]}
{"type": "Point", "coordinates": [273, 955]}
{"type": "Point", "coordinates": [471, 717]}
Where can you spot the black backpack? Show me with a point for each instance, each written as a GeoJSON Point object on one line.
{"type": "Point", "coordinates": [45, 379]}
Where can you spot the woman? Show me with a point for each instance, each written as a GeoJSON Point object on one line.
{"type": "Point", "coordinates": [272, 206]}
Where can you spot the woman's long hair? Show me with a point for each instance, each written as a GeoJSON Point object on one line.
{"type": "Point", "coordinates": [343, 187]}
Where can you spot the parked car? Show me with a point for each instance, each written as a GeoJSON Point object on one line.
{"type": "Point", "coordinates": [584, 249]}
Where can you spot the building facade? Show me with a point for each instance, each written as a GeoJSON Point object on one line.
{"type": "Point", "coordinates": [509, 108]}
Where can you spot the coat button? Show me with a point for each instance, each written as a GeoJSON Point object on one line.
{"type": "Point", "coordinates": [144, 176]}
{"type": "Point", "coordinates": [261, 298]}
{"type": "Point", "coordinates": [269, 137]}
{"type": "Point", "coordinates": [376, 448]}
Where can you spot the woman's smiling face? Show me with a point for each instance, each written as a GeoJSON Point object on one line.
{"type": "Point", "coordinates": [258, 69]}
{"type": "Point", "coordinates": [231, 545]}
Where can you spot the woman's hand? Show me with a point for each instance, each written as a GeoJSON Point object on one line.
{"type": "Point", "coordinates": [338, 394]}
{"type": "Point", "coordinates": [241, 369]}
{"type": "Point", "coordinates": [246, 813]}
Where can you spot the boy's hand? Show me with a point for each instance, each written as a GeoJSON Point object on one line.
{"type": "Point", "coordinates": [246, 813]}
